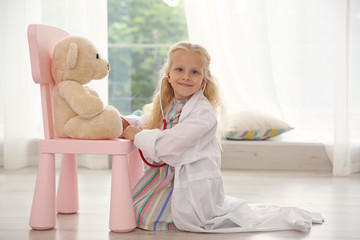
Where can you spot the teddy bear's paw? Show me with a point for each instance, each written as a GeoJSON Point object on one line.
{"type": "Point", "coordinates": [113, 121]}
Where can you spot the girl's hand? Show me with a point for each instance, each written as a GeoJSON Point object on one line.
{"type": "Point", "coordinates": [124, 123]}
{"type": "Point", "coordinates": [130, 132]}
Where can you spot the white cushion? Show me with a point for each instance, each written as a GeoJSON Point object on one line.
{"type": "Point", "coordinates": [251, 125]}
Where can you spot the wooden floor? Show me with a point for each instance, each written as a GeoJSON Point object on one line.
{"type": "Point", "coordinates": [337, 198]}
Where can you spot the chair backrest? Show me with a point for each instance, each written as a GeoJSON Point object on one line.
{"type": "Point", "coordinates": [42, 40]}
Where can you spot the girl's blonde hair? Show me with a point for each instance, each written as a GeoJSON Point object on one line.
{"type": "Point", "coordinates": [211, 91]}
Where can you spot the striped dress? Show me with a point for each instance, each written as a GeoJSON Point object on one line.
{"type": "Point", "coordinates": [152, 194]}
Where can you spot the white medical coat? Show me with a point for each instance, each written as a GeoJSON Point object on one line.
{"type": "Point", "coordinates": [198, 202]}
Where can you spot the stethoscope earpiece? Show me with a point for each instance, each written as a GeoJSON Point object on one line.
{"type": "Point", "coordinates": [204, 87]}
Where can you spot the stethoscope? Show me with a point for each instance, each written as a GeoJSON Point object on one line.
{"type": "Point", "coordinates": [164, 127]}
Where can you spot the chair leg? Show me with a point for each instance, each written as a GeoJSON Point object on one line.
{"type": "Point", "coordinates": [67, 195]}
{"type": "Point", "coordinates": [136, 167]}
{"type": "Point", "coordinates": [42, 215]}
{"type": "Point", "coordinates": [122, 214]}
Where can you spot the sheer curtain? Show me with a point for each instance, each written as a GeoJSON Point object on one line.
{"type": "Point", "coordinates": [292, 59]}
{"type": "Point", "coordinates": [20, 108]}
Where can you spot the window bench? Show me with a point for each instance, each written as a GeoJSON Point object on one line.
{"type": "Point", "coordinates": [290, 151]}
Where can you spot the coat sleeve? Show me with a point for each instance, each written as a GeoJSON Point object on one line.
{"type": "Point", "coordinates": [182, 142]}
{"type": "Point", "coordinates": [136, 121]}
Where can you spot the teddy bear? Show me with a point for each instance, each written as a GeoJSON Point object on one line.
{"type": "Point", "coordinates": [78, 111]}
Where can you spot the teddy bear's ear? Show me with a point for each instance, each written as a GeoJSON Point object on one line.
{"type": "Point", "coordinates": [72, 55]}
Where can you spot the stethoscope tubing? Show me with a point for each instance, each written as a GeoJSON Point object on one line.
{"type": "Point", "coordinates": [164, 127]}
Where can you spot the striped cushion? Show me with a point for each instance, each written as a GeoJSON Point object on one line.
{"type": "Point", "coordinates": [252, 125]}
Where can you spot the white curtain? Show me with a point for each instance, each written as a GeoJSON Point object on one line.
{"type": "Point", "coordinates": [20, 107]}
{"type": "Point", "coordinates": [293, 59]}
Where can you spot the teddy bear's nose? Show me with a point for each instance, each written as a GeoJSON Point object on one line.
{"type": "Point", "coordinates": [108, 66]}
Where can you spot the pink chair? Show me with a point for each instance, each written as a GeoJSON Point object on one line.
{"type": "Point", "coordinates": [127, 167]}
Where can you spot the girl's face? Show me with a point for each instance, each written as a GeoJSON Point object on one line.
{"type": "Point", "coordinates": [186, 73]}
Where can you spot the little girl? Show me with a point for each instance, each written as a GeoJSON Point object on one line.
{"type": "Point", "coordinates": [187, 193]}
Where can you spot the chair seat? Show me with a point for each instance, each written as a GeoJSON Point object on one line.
{"type": "Point", "coordinates": [78, 146]}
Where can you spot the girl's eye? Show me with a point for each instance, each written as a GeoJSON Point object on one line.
{"type": "Point", "coordinates": [195, 72]}
{"type": "Point", "coordinates": [179, 69]}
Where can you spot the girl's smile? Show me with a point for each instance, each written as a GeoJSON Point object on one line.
{"type": "Point", "coordinates": [184, 85]}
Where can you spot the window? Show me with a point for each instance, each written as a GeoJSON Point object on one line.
{"type": "Point", "coordinates": [140, 33]}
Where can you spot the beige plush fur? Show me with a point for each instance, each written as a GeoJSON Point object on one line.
{"type": "Point", "coordinates": [78, 110]}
